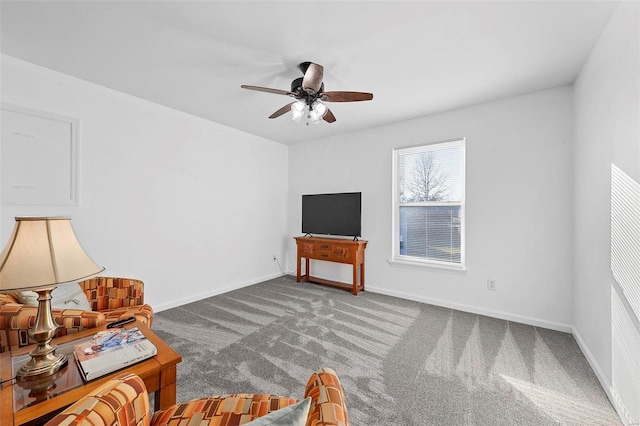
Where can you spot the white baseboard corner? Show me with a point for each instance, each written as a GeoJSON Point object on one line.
{"type": "Point", "coordinates": [213, 292]}
{"type": "Point", "coordinates": [604, 381]}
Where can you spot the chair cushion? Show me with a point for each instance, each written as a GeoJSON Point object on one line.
{"type": "Point", "coordinates": [293, 415]}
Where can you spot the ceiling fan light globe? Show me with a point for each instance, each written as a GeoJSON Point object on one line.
{"type": "Point", "coordinates": [319, 108]}
{"type": "Point", "coordinates": [298, 106]}
{"type": "Point", "coordinates": [298, 110]}
{"type": "Point", "coordinates": [314, 116]}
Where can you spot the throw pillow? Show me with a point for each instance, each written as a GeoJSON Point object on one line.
{"type": "Point", "coordinates": [29, 298]}
{"type": "Point", "coordinates": [64, 296]}
{"type": "Point", "coordinates": [292, 415]}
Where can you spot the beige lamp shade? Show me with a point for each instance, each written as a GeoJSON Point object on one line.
{"type": "Point", "coordinates": [43, 252]}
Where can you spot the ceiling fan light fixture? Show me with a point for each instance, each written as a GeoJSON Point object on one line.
{"type": "Point", "coordinates": [298, 110]}
{"type": "Point", "coordinates": [309, 91]}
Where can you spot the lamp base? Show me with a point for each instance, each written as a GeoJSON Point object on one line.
{"type": "Point", "coordinates": [44, 361]}
{"type": "Point", "coordinates": [41, 367]}
{"type": "Point", "coordinates": [42, 389]}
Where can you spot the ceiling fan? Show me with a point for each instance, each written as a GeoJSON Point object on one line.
{"type": "Point", "coordinates": [310, 95]}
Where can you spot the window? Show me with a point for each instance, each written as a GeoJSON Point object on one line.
{"type": "Point", "coordinates": [428, 203]}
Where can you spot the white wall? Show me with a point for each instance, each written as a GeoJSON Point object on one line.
{"type": "Point", "coordinates": [189, 206]}
{"type": "Point", "coordinates": [519, 205]}
{"type": "Point", "coordinates": [607, 133]}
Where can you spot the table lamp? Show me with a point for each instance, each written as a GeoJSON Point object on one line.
{"type": "Point", "coordinates": [41, 253]}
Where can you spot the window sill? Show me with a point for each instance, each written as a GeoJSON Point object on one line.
{"type": "Point", "coordinates": [428, 265]}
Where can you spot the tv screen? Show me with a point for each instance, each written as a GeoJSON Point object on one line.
{"type": "Point", "coordinates": [332, 214]}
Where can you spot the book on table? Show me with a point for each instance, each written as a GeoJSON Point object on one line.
{"type": "Point", "coordinates": [111, 350]}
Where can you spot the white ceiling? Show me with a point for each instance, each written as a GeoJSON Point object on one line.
{"type": "Point", "coordinates": [417, 58]}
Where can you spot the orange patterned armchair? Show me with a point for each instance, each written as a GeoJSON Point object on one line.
{"type": "Point", "coordinates": [124, 401]}
{"type": "Point", "coordinates": [110, 299]}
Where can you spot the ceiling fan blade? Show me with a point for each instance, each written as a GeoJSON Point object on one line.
{"type": "Point", "coordinates": [313, 77]}
{"type": "Point", "coordinates": [268, 90]}
{"type": "Point", "coordinates": [285, 109]}
{"type": "Point", "coordinates": [329, 117]}
{"type": "Point", "coordinates": [346, 96]}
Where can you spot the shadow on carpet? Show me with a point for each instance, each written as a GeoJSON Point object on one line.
{"type": "Point", "coordinates": [400, 362]}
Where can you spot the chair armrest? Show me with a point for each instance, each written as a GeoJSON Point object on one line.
{"type": "Point", "coordinates": [123, 401]}
{"type": "Point", "coordinates": [112, 293]}
{"type": "Point", "coordinates": [17, 319]}
{"type": "Point", "coordinates": [143, 313]}
{"type": "Point", "coordinates": [229, 410]}
{"type": "Point", "coordinates": [328, 406]}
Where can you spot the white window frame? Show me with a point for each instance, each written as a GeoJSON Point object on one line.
{"type": "Point", "coordinates": [413, 261]}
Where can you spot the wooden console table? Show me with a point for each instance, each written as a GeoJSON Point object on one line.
{"type": "Point", "coordinates": [332, 250]}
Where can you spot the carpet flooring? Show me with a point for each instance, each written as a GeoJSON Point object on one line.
{"type": "Point", "coordinates": [400, 362]}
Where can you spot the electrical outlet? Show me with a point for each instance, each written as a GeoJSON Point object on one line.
{"type": "Point", "coordinates": [491, 284]}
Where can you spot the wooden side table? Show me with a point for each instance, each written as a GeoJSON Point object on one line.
{"type": "Point", "coordinates": [158, 374]}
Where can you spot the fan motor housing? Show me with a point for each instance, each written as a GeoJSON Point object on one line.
{"type": "Point", "coordinates": [304, 66]}
{"type": "Point", "coordinates": [296, 85]}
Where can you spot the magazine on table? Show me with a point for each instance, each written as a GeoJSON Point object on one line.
{"type": "Point", "coordinates": [111, 350]}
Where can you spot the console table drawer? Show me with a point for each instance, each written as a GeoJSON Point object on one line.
{"type": "Point", "coordinates": [327, 251]}
{"type": "Point", "coordinates": [323, 246]}
{"type": "Point", "coordinates": [323, 255]}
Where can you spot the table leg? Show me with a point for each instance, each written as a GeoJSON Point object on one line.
{"type": "Point", "coordinates": [165, 396]}
{"type": "Point", "coordinates": [355, 279]}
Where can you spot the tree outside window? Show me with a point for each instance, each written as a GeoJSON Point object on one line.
{"type": "Point", "coordinates": [427, 180]}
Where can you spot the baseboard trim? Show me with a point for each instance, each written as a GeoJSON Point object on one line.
{"type": "Point", "coordinates": [214, 292]}
{"type": "Point", "coordinates": [602, 378]}
{"type": "Point", "coordinates": [566, 328]}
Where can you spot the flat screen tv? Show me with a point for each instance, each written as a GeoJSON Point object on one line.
{"type": "Point", "coordinates": [332, 214]}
